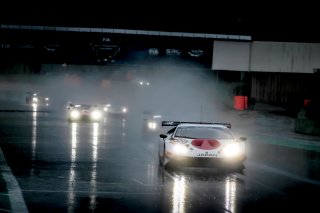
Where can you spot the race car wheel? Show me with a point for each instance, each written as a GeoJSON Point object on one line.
{"type": "Point", "coordinates": [162, 157]}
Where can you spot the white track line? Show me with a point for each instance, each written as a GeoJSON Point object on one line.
{"type": "Point", "coordinates": [14, 192]}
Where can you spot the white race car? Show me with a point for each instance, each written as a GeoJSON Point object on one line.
{"type": "Point", "coordinates": [151, 121]}
{"type": "Point", "coordinates": [35, 100]}
{"type": "Point", "coordinates": [209, 143]}
{"type": "Point", "coordinates": [115, 110]}
{"type": "Point", "coordinates": [84, 112]}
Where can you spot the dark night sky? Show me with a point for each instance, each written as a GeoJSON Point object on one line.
{"type": "Point", "coordinates": [263, 21]}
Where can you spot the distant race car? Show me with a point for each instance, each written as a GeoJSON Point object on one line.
{"type": "Point", "coordinates": [84, 112]}
{"type": "Point", "coordinates": [151, 120]}
{"type": "Point", "coordinates": [114, 109]}
{"type": "Point", "coordinates": [208, 143]}
{"type": "Point", "coordinates": [34, 99]}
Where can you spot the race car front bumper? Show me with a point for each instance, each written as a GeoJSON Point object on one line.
{"type": "Point", "coordinates": [205, 161]}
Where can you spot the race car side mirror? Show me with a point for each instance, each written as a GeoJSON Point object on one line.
{"type": "Point", "coordinates": [163, 136]}
{"type": "Point", "coordinates": [242, 138]}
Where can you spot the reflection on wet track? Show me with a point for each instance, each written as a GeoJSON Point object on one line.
{"type": "Point", "coordinates": [231, 193]}
{"type": "Point", "coordinates": [74, 136]}
{"type": "Point", "coordinates": [72, 176]}
{"type": "Point", "coordinates": [178, 196]}
{"type": "Point", "coordinates": [93, 178]}
{"type": "Point", "coordinates": [72, 183]}
{"type": "Point", "coordinates": [34, 134]}
{"type": "Point", "coordinates": [202, 189]}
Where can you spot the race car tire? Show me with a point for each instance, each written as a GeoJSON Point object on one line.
{"type": "Point", "coordinates": [162, 158]}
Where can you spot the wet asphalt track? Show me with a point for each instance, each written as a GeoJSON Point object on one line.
{"type": "Point", "coordinates": [113, 167]}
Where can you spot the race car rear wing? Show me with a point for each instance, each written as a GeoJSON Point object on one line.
{"type": "Point", "coordinates": [176, 123]}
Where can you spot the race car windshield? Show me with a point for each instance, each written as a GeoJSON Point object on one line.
{"type": "Point", "coordinates": [83, 106]}
{"type": "Point", "coordinates": [203, 132]}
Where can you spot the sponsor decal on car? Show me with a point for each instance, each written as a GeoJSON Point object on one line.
{"type": "Point", "coordinates": [206, 154]}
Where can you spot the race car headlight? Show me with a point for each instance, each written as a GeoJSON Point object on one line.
{"type": "Point", "coordinates": [74, 114]}
{"type": "Point", "coordinates": [152, 125]}
{"type": "Point", "coordinates": [124, 110]}
{"type": "Point", "coordinates": [106, 107]}
{"type": "Point", "coordinates": [47, 99]}
{"type": "Point", "coordinates": [179, 149]}
{"type": "Point", "coordinates": [96, 115]}
{"type": "Point", "coordinates": [35, 99]}
{"type": "Point", "coordinates": [232, 150]}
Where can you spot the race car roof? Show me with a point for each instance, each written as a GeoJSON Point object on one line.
{"type": "Point", "coordinates": [82, 105]}
{"type": "Point", "coordinates": [176, 123]}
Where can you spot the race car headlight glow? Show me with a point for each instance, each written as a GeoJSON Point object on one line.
{"type": "Point", "coordinates": [96, 115]}
{"type": "Point", "coordinates": [47, 99]}
{"type": "Point", "coordinates": [180, 149]}
{"type": "Point", "coordinates": [152, 125]}
{"type": "Point", "coordinates": [124, 110]}
{"type": "Point", "coordinates": [34, 107]}
{"type": "Point", "coordinates": [232, 150]}
{"type": "Point", "coordinates": [35, 99]}
{"type": "Point", "coordinates": [75, 114]}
